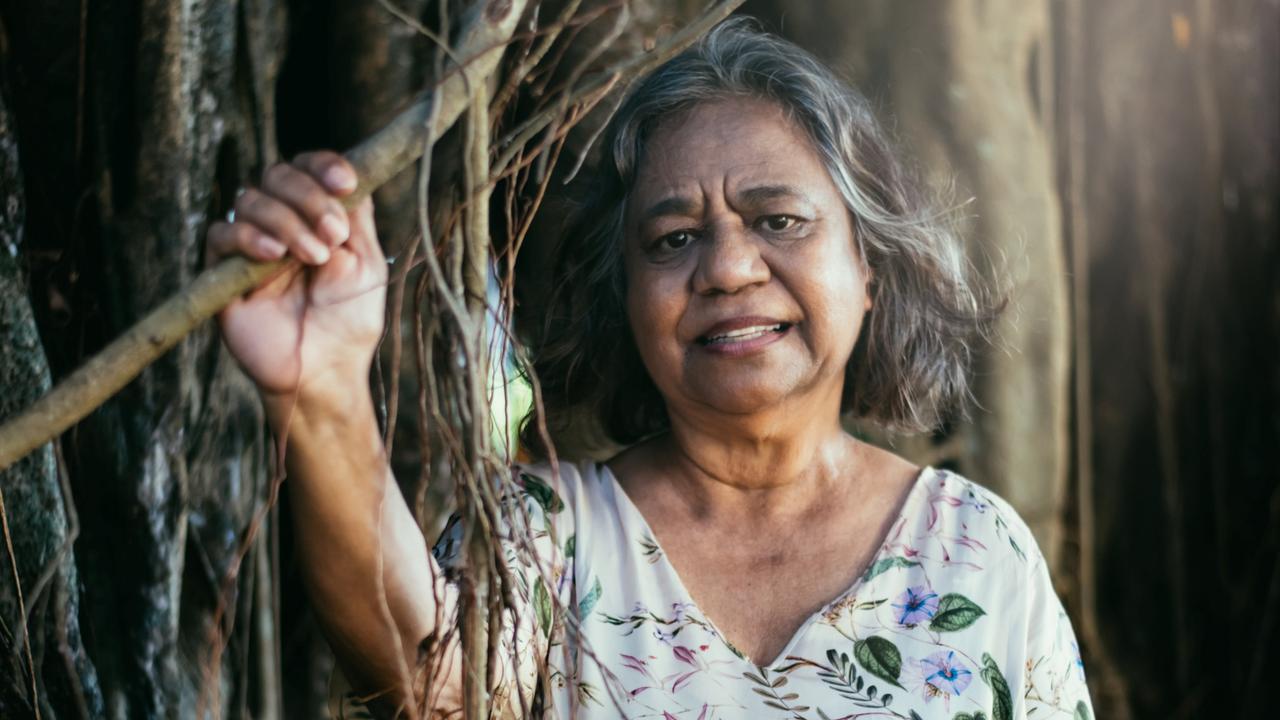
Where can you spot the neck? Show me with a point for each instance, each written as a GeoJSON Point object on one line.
{"type": "Point", "coordinates": [787, 456]}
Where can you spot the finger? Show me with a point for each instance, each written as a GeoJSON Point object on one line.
{"type": "Point", "coordinates": [241, 239]}
{"type": "Point", "coordinates": [329, 169]}
{"type": "Point", "coordinates": [326, 216]}
{"type": "Point", "coordinates": [364, 235]}
{"type": "Point", "coordinates": [273, 217]}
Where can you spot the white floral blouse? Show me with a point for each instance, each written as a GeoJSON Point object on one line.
{"type": "Point", "coordinates": [954, 618]}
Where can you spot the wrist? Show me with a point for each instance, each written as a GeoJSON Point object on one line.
{"type": "Point", "coordinates": [339, 397]}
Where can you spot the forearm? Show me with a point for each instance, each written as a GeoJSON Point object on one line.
{"type": "Point", "coordinates": [363, 557]}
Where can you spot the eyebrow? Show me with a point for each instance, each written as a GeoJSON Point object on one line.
{"type": "Point", "coordinates": [763, 193]}
{"type": "Point", "coordinates": [674, 205]}
{"type": "Point", "coordinates": [677, 205]}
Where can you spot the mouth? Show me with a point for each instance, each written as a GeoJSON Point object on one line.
{"type": "Point", "coordinates": [744, 334]}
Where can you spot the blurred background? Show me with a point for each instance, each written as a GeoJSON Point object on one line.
{"type": "Point", "coordinates": [1116, 163]}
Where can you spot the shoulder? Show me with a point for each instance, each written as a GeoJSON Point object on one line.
{"type": "Point", "coordinates": [555, 487]}
{"type": "Point", "coordinates": [946, 504]}
{"type": "Point", "coordinates": [956, 536]}
{"type": "Point", "coordinates": [539, 501]}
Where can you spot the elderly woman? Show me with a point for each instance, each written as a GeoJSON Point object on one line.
{"type": "Point", "coordinates": [754, 266]}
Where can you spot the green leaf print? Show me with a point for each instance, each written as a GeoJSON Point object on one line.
{"type": "Point", "coordinates": [1001, 699]}
{"type": "Point", "coordinates": [570, 546]}
{"type": "Point", "coordinates": [1082, 711]}
{"type": "Point", "coordinates": [548, 498]}
{"type": "Point", "coordinates": [768, 689]}
{"type": "Point", "coordinates": [883, 564]}
{"type": "Point", "coordinates": [970, 716]}
{"type": "Point", "coordinates": [1021, 555]}
{"type": "Point", "coordinates": [955, 612]}
{"type": "Point", "coordinates": [588, 601]}
{"type": "Point", "coordinates": [879, 657]}
{"type": "Point", "coordinates": [542, 603]}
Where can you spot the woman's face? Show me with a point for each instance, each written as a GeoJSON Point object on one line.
{"type": "Point", "coordinates": [744, 287]}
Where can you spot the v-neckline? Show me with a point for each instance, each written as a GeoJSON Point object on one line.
{"type": "Point", "coordinates": [625, 502]}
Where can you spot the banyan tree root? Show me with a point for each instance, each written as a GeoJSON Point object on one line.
{"type": "Point", "coordinates": [376, 160]}
{"type": "Point", "coordinates": [453, 263]}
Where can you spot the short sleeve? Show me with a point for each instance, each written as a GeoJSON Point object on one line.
{"type": "Point", "coordinates": [1054, 679]}
{"type": "Point", "coordinates": [537, 546]}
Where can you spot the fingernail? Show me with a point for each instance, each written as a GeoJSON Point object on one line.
{"type": "Point", "coordinates": [335, 228]}
{"type": "Point", "coordinates": [270, 247]}
{"type": "Point", "coordinates": [338, 177]}
{"type": "Point", "coordinates": [319, 252]}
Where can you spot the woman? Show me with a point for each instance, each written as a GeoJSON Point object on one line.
{"type": "Point", "coordinates": [754, 265]}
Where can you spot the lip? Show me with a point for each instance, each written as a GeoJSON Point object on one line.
{"type": "Point", "coordinates": [749, 344]}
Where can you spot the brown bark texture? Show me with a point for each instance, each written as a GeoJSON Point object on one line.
{"type": "Point", "coordinates": [136, 122]}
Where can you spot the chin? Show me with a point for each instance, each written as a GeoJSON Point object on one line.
{"type": "Point", "coordinates": [743, 397]}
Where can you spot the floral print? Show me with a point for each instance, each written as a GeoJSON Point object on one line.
{"type": "Point", "coordinates": [916, 605]}
{"type": "Point", "coordinates": [954, 618]}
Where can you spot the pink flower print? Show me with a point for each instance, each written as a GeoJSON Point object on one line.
{"type": "Point", "coordinates": [684, 654]}
{"type": "Point", "coordinates": [945, 673]}
{"type": "Point", "coordinates": [915, 605]}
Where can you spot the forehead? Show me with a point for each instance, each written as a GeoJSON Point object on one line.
{"type": "Point", "coordinates": [728, 145]}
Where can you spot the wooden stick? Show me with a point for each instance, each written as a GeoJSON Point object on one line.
{"type": "Point", "coordinates": [376, 160]}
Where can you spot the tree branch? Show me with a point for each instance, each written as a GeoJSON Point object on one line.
{"type": "Point", "coordinates": [377, 160]}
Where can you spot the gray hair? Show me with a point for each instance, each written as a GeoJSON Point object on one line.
{"type": "Point", "coordinates": [910, 364]}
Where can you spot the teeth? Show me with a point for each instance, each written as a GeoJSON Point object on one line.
{"type": "Point", "coordinates": [746, 333]}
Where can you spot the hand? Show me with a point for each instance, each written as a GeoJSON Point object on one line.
{"type": "Point", "coordinates": [311, 331]}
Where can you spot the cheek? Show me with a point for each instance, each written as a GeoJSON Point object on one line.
{"type": "Point", "coordinates": [653, 311]}
{"type": "Point", "coordinates": [838, 308]}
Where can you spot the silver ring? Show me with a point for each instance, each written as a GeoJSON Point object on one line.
{"type": "Point", "coordinates": [231, 214]}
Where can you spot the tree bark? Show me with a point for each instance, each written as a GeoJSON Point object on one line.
{"type": "Point", "coordinates": [140, 119]}
{"type": "Point", "coordinates": [45, 666]}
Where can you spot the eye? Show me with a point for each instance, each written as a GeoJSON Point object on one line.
{"type": "Point", "coordinates": [778, 223]}
{"type": "Point", "coordinates": [674, 240]}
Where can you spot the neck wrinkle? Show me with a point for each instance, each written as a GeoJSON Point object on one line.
{"type": "Point", "coordinates": [758, 470]}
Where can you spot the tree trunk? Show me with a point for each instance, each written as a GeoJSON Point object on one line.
{"type": "Point", "coordinates": [136, 121]}
{"type": "Point", "coordinates": [45, 666]}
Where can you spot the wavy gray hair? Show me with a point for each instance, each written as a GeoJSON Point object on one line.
{"type": "Point", "coordinates": [910, 364]}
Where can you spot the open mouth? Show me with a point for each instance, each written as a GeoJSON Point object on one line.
{"type": "Point", "coordinates": [742, 335]}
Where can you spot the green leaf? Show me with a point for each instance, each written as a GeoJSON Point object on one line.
{"type": "Point", "coordinates": [542, 603]}
{"type": "Point", "coordinates": [889, 563]}
{"type": "Point", "coordinates": [1001, 699]}
{"type": "Point", "coordinates": [879, 657]}
{"type": "Point", "coordinates": [970, 716]}
{"type": "Point", "coordinates": [955, 612]}
{"type": "Point", "coordinates": [538, 490]}
{"type": "Point", "coordinates": [570, 546]}
{"type": "Point", "coordinates": [1021, 555]}
{"type": "Point", "coordinates": [588, 601]}
{"type": "Point", "coordinates": [1082, 711]}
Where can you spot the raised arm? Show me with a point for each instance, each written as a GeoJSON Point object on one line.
{"type": "Point", "coordinates": [308, 338]}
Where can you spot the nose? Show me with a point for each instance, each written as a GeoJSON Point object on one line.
{"type": "Point", "coordinates": [730, 261]}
